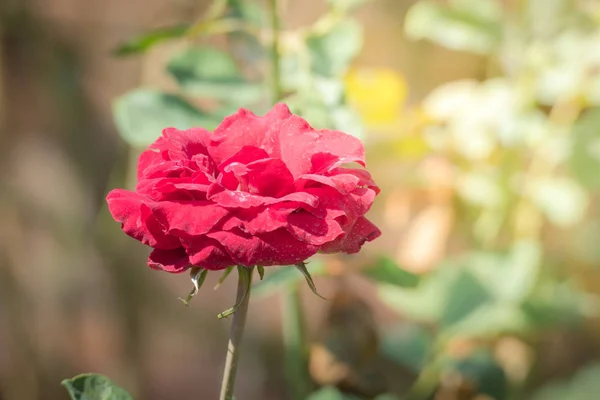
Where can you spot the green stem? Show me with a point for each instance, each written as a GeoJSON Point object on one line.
{"type": "Point", "coordinates": [425, 384]}
{"type": "Point", "coordinates": [429, 376]}
{"type": "Point", "coordinates": [237, 332]}
{"type": "Point", "coordinates": [296, 363]}
{"type": "Point", "coordinates": [277, 92]}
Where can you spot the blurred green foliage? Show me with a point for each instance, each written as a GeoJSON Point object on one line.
{"type": "Point", "coordinates": [314, 60]}
{"type": "Point", "coordinates": [584, 385]}
{"type": "Point", "coordinates": [521, 142]}
{"type": "Point", "coordinates": [94, 387]}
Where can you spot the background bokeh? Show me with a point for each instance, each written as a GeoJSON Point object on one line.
{"type": "Point", "coordinates": [481, 120]}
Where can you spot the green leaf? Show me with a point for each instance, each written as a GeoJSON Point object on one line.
{"type": "Point", "coordinates": [330, 393]}
{"type": "Point", "coordinates": [482, 294]}
{"type": "Point", "coordinates": [388, 272]}
{"type": "Point", "coordinates": [463, 25]}
{"type": "Point", "coordinates": [330, 90]}
{"type": "Point", "coordinates": [211, 73]}
{"type": "Point", "coordinates": [142, 114]}
{"type": "Point", "coordinates": [466, 295]}
{"type": "Point", "coordinates": [425, 303]}
{"type": "Point", "coordinates": [333, 51]}
{"type": "Point", "coordinates": [509, 276]}
{"type": "Point", "coordinates": [489, 377]}
{"type": "Point", "coordinates": [247, 11]}
{"type": "Point", "coordinates": [145, 41]}
{"type": "Point", "coordinates": [94, 387]}
{"type": "Point", "coordinates": [560, 303]}
{"type": "Point", "coordinates": [407, 345]}
{"type": "Point", "coordinates": [490, 320]}
{"type": "Point", "coordinates": [261, 271]}
{"type": "Point", "coordinates": [198, 275]}
{"type": "Point", "coordinates": [224, 276]}
{"type": "Point", "coordinates": [585, 385]}
{"type": "Point", "coordinates": [479, 294]}
{"type": "Point", "coordinates": [585, 156]}
{"type": "Point", "coordinates": [279, 277]}
{"type": "Point", "coordinates": [309, 280]}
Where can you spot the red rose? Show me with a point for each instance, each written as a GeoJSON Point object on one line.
{"type": "Point", "coordinates": [257, 191]}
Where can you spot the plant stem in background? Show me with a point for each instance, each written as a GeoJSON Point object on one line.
{"type": "Point", "coordinates": [275, 67]}
{"type": "Point", "coordinates": [237, 332]}
{"type": "Point", "coordinates": [425, 384]}
{"type": "Point", "coordinates": [429, 376]}
{"type": "Point", "coordinates": [296, 363]}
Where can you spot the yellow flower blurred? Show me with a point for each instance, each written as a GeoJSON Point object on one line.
{"type": "Point", "coordinates": [378, 94]}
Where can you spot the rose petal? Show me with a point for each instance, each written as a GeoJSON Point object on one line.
{"type": "Point", "coordinates": [173, 189]}
{"type": "Point", "coordinates": [234, 170]}
{"type": "Point", "coordinates": [238, 199]}
{"type": "Point", "coordinates": [272, 248]}
{"type": "Point", "coordinates": [207, 253]}
{"type": "Point", "coordinates": [163, 240]}
{"type": "Point", "coordinates": [190, 218]}
{"type": "Point", "coordinates": [287, 137]}
{"type": "Point", "coordinates": [171, 169]}
{"type": "Point", "coordinates": [343, 183]}
{"type": "Point", "coordinates": [309, 229]}
{"type": "Point", "coordinates": [299, 143]}
{"type": "Point", "coordinates": [364, 177]}
{"type": "Point", "coordinates": [174, 261]}
{"type": "Point", "coordinates": [253, 221]}
{"type": "Point", "coordinates": [362, 231]}
{"type": "Point", "coordinates": [353, 205]}
{"type": "Point", "coordinates": [130, 209]}
{"type": "Point", "coordinates": [244, 128]}
{"type": "Point", "coordinates": [184, 144]}
{"type": "Point", "coordinates": [147, 159]}
{"type": "Point", "coordinates": [270, 178]}
{"type": "Point", "coordinates": [246, 155]}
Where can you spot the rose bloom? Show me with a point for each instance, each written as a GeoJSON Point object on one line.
{"type": "Point", "coordinates": [257, 191]}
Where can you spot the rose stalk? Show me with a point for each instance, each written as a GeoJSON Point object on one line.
{"type": "Point", "coordinates": [237, 332]}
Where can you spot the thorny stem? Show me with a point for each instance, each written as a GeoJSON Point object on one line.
{"type": "Point", "coordinates": [237, 332]}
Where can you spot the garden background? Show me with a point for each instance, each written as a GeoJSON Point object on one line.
{"type": "Point", "coordinates": [481, 120]}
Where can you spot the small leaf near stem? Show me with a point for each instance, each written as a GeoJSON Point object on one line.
{"type": "Point", "coordinates": [261, 271]}
{"type": "Point", "coordinates": [198, 275]}
{"type": "Point", "coordinates": [237, 331]}
{"type": "Point", "coordinates": [241, 300]}
{"type": "Point", "coordinates": [223, 277]}
{"type": "Point", "coordinates": [302, 268]}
